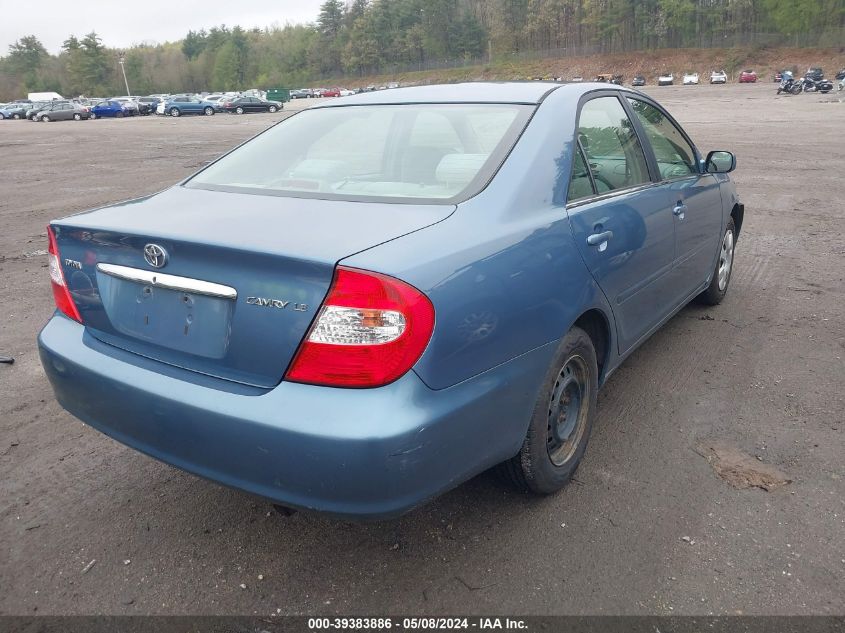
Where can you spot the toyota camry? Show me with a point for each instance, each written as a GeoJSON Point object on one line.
{"type": "Point", "coordinates": [381, 296]}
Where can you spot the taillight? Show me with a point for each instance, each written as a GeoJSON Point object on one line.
{"type": "Point", "coordinates": [61, 294]}
{"type": "Point", "coordinates": [370, 331]}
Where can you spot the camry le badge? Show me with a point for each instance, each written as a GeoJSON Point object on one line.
{"type": "Point", "coordinates": [276, 303]}
{"type": "Point", "coordinates": [155, 255]}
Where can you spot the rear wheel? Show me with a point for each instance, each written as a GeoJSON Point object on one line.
{"type": "Point", "coordinates": [239, 110]}
{"type": "Point", "coordinates": [562, 420]}
{"type": "Point", "coordinates": [175, 112]}
{"type": "Point", "coordinates": [208, 111]}
{"type": "Point", "coordinates": [718, 287]}
{"type": "Point", "coordinates": [16, 116]}
{"type": "Point", "coordinates": [119, 115]}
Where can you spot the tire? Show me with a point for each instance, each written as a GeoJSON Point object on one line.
{"type": "Point", "coordinates": [45, 118]}
{"type": "Point", "coordinates": [208, 111]}
{"type": "Point", "coordinates": [721, 280]}
{"type": "Point", "coordinates": [93, 115]}
{"type": "Point", "coordinates": [175, 112]}
{"type": "Point", "coordinates": [77, 116]}
{"type": "Point", "coordinates": [239, 110]}
{"type": "Point", "coordinates": [272, 109]}
{"type": "Point", "coordinates": [119, 115]}
{"type": "Point", "coordinates": [2, 116]}
{"type": "Point", "coordinates": [16, 116]}
{"type": "Point", "coordinates": [560, 425]}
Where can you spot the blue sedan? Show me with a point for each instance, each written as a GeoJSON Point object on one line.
{"type": "Point", "coordinates": [177, 106]}
{"type": "Point", "coordinates": [113, 109]}
{"type": "Point", "coordinates": [380, 297]}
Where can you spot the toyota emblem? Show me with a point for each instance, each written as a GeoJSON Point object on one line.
{"type": "Point", "coordinates": [155, 255]}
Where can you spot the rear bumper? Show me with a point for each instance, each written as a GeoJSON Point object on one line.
{"type": "Point", "coordinates": [364, 453]}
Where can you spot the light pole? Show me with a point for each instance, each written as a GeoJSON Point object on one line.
{"type": "Point", "coordinates": [120, 60]}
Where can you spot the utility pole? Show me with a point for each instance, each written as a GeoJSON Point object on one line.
{"type": "Point", "coordinates": [120, 59]}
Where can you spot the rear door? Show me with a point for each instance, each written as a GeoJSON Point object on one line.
{"type": "Point", "coordinates": [692, 194]}
{"type": "Point", "coordinates": [620, 220]}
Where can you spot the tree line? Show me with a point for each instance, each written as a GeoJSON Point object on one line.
{"type": "Point", "coordinates": [360, 37]}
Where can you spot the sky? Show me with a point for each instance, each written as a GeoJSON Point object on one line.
{"type": "Point", "coordinates": [121, 24]}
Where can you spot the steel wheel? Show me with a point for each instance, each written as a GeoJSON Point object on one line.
{"type": "Point", "coordinates": [568, 410]}
{"type": "Point", "coordinates": [726, 259]}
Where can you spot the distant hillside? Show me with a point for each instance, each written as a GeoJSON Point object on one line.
{"type": "Point", "coordinates": [649, 63]}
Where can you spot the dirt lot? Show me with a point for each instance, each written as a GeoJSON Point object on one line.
{"type": "Point", "coordinates": [649, 527]}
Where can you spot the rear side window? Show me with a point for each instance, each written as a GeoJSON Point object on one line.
{"type": "Point", "coordinates": [413, 153]}
{"type": "Point", "coordinates": [580, 185]}
{"type": "Point", "coordinates": [675, 156]}
{"type": "Point", "coordinates": [614, 153]}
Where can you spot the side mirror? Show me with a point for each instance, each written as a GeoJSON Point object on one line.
{"type": "Point", "coordinates": [720, 162]}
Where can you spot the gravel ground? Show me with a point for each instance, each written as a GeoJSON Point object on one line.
{"type": "Point", "coordinates": [88, 526]}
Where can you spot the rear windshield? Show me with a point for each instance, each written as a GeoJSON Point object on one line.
{"type": "Point", "coordinates": [413, 153]}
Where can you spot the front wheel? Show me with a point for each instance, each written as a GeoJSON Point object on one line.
{"type": "Point", "coordinates": [208, 111]}
{"type": "Point", "coordinates": [77, 116]}
{"type": "Point", "coordinates": [718, 287]}
{"type": "Point", "coordinates": [174, 112]}
{"type": "Point", "coordinates": [562, 419]}
{"type": "Point", "coordinates": [272, 109]}
{"type": "Point", "coordinates": [239, 110]}
{"type": "Point", "coordinates": [45, 119]}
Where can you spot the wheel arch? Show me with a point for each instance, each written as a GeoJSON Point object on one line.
{"type": "Point", "coordinates": [738, 214]}
{"type": "Point", "coordinates": [597, 326]}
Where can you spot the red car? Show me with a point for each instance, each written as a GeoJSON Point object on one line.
{"type": "Point", "coordinates": [330, 92]}
{"type": "Point", "coordinates": [747, 77]}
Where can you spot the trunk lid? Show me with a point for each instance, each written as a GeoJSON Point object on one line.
{"type": "Point", "coordinates": [243, 279]}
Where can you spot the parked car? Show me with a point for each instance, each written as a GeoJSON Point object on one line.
{"type": "Point", "coordinates": [690, 79]}
{"type": "Point", "coordinates": [110, 109]}
{"type": "Point", "coordinates": [330, 92]}
{"type": "Point", "coordinates": [246, 105]}
{"type": "Point", "coordinates": [666, 79]}
{"type": "Point", "coordinates": [34, 108]}
{"type": "Point", "coordinates": [344, 92]}
{"type": "Point", "coordinates": [14, 111]}
{"type": "Point", "coordinates": [147, 105]}
{"type": "Point", "coordinates": [301, 93]}
{"type": "Point", "coordinates": [130, 105]}
{"type": "Point", "coordinates": [177, 106]}
{"type": "Point", "coordinates": [778, 76]}
{"type": "Point", "coordinates": [815, 73]}
{"type": "Point", "coordinates": [841, 74]}
{"type": "Point", "coordinates": [718, 77]}
{"type": "Point", "coordinates": [747, 77]}
{"type": "Point", "coordinates": [638, 81]}
{"type": "Point", "coordinates": [62, 111]}
{"type": "Point", "coordinates": [358, 331]}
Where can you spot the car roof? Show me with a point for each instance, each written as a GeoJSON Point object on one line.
{"type": "Point", "coordinates": [528, 92]}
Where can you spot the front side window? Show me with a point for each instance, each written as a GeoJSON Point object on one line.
{"type": "Point", "coordinates": [675, 156]}
{"type": "Point", "coordinates": [614, 153]}
{"type": "Point", "coordinates": [428, 152]}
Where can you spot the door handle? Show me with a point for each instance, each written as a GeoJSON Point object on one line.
{"type": "Point", "coordinates": [600, 239]}
{"type": "Point", "coordinates": [679, 210]}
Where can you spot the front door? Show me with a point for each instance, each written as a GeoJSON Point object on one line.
{"type": "Point", "coordinates": [620, 220]}
{"type": "Point", "coordinates": [693, 196]}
